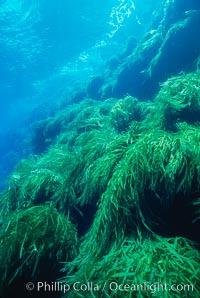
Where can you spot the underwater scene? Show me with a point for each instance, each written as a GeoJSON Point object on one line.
{"type": "Point", "coordinates": [100, 148]}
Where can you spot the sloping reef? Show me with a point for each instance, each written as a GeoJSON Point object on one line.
{"type": "Point", "coordinates": [110, 204]}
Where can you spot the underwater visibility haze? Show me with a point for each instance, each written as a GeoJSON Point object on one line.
{"type": "Point", "coordinates": [100, 148]}
{"type": "Point", "coordinates": [49, 48]}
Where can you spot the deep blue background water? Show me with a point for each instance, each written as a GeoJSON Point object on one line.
{"type": "Point", "coordinates": [49, 48]}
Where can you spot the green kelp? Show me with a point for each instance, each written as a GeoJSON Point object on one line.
{"type": "Point", "coordinates": [128, 175]}
{"type": "Point", "coordinates": [179, 100]}
{"type": "Point", "coordinates": [142, 268]}
{"type": "Point", "coordinates": [67, 124]}
{"type": "Point", "coordinates": [38, 179]}
{"type": "Point", "coordinates": [32, 243]}
{"type": "Point", "coordinates": [65, 173]}
{"type": "Point", "coordinates": [125, 111]}
{"type": "Point", "coordinates": [156, 172]}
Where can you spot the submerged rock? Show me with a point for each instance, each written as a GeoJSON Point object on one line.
{"type": "Point", "coordinates": [173, 46]}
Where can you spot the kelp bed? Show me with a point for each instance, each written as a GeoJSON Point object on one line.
{"type": "Point", "coordinates": [114, 194]}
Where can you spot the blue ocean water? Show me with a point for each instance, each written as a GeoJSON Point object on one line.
{"type": "Point", "coordinates": [50, 48]}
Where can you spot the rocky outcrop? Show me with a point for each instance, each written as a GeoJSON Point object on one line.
{"type": "Point", "coordinates": [169, 48]}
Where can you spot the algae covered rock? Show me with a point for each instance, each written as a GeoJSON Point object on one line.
{"type": "Point", "coordinates": [125, 111]}
{"type": "Point", "coordinates": [37, 180]}
{"type": "Point", "coordinates": [179, 99]}
{"type": "Point", "coordinates": [159, 267]}
{"type": "Point", "coordinates": [171, 46]}
{"type": "Point", "coordinates": [32, 243]}
{"type": "Point", "coordinates": [129, 181]}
